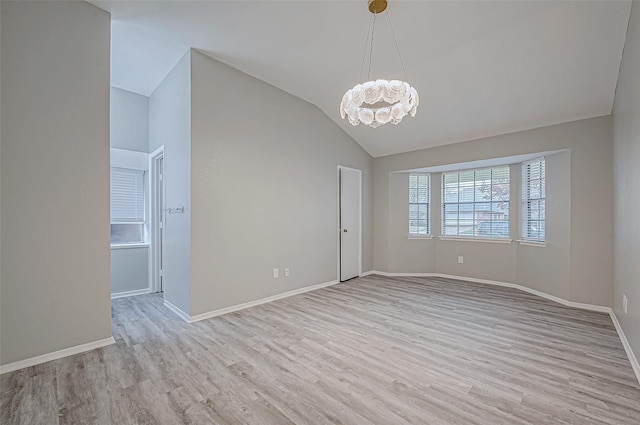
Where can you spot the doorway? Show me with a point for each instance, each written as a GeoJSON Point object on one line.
{"type": "Point", "coordinates": [350, 222]}
{"type": "Point", "coordinates": [157, 225]}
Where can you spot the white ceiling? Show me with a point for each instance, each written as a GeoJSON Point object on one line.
{"type": "Point", "coordinates": [482, 68]}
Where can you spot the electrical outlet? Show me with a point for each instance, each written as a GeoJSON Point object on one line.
{"type": "Point", "coordinates": [460, 259]}
{"type": "Point", "coordinates": [286, 272]}
{"type": "Point", "coordinates": [275, 273]}
{"type": "Point", "coordinates": [625, 303]}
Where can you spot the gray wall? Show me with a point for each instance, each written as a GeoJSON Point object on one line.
{"type": "Point", "coordinates": [129, 120]}
{"type": "Point", "coordinates": [170, 125]}
{"type": "Point", "coordinates": [129, 125]}
{"type": "Point", "coordinates": [626, 136]}
{"type": "Point", "coordinates": [264, 189]}
{"type": "Point", "coordinates": [55, 177]}
{"type": "Point", "coordinates": [129, 269]}
{"type": "Point", "coordinates": [576, 264]}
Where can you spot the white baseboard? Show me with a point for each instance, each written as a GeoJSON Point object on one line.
{"type": "Point", "coordinates": [583, 306]}
{"type": "Point", "coordinates": [56, 355]}
{"type": "Point", "coordinates": [403, 274]}
{"type": "Point", "coordinates": [190, 319]}
{"type": "Point", "coordinates": [242, 306]}
{"type": "Point", "coordinates": [591, 307]}
{"type": "Point", "coordinates": [184, 316]}
{"type": "Point", "coordinates": [130, 293]}
{"type": "Point", "coordinates": [601, 309]}
{"type": "Point", "coordinates": [627, 348]}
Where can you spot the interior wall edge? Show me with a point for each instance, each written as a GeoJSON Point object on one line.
{"type": "Point", "coordinates": [133, 293]}
{"type": "Point", "coordinates": [44, 358]}
{"type": "Point", "coordinates": [627, 347]}
{"type": "Point", "coordinates": [260, 301]}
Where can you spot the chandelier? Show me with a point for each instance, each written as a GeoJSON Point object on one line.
{"type": "Point", "coordinates": [378, 102]}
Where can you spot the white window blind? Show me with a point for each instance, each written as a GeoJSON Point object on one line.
{"type": "Point", "coordinates": [533, 200]}
{"type": "Point", "coordinates": [419, 204]}
{"type": "Point", "coordinates": [475, 203]}
{"type": "Point", "coordinates": [127, 195]}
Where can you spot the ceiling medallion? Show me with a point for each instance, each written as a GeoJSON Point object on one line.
{"type": "Point", "coordinates": [378, 102]}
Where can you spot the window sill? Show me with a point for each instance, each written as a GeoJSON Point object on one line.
{"type": "Point", "coordinates": [463, 239]}
{"type": "Point", "coordinates": [419, 236]}
{"type": "Point", "coordinates": [129, 245]}
{"type": "Point", "coordinates": [541, 244]}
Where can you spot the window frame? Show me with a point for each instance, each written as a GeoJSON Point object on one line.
{"type": "Point", "coordinates": [475, 224]}
{"type": "Point", "coordinates": [139, 218]}
{"type": "Point", "coordinates": [420, 205]}
{"type": "Point", "coordinates": [527, 200]}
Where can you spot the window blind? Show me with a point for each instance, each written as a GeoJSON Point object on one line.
{"type": "Point", "coordinates": [533, 200]}
{"type": "Point", "coordinates": [419, 204]}
{"type": "Point", "coordinates": [127, 195]}
{"type": "Point", "coordinates": [475, 203]}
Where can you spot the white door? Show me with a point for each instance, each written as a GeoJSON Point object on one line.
{"type": "Point", "coordinates": [160, 207]}
{"type": "Point", "coordinates": [157, 219]}
{"type": "Point", "coordinates": [350, 218]}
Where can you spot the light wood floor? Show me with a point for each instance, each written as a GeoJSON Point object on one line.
{"type": "Point", "coordinates": [373, 350]}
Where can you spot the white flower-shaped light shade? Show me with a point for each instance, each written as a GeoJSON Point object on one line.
{"type": "Point", "coordinates": [399, 99]}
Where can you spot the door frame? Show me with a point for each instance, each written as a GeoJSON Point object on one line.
{"type": "Point", "coordinates": [155, 219]}
{"type": "Point", "coordinates": [339, 230]}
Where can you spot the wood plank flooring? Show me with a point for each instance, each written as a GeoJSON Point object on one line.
{"type": "Point", "coordinates": [373, 350]}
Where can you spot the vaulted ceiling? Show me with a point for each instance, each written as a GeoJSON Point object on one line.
{"type": "Point", "coordinates": [482, 68]}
